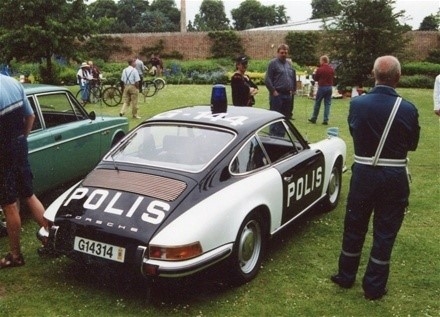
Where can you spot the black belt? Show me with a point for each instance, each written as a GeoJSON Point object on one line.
{"type": "Point", "coordinates": [283, 92]}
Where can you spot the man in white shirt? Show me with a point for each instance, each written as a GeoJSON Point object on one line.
{"type": "Point", "coordinates": [437, 95]}
{"type": "Point", "coordinates": [130, 78]}
{"type": "Point", "coordinates": [140, 67]}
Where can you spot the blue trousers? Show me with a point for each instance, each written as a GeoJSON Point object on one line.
{"type": "Point", "coordinates": [282, 104]}
{"type": "Point", "coordinates": [324, 93]}
{"type": "Point", "coordinates": [384, 191]}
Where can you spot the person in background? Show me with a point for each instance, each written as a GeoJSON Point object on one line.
{"type": "Point", "coordinates": [280, 80]}
{"type": "Point", "coordinates": [94, 70]}
{"type": "Point", "coordinates": [243, 89]}
{"type": "Point", "coordinates": [379, 185]}
{"type": "Point", "coordinates": [140, 67]}
{"type": "Point", "coordinates": [437, 95]}
{"type": "Point", "coordinates": [84, 76]}
{"type": "Point", "coordinates": [130, 78]}
{"type": "Point", "coordinates": [324, 76]}
{"type": "Point", "coordinates": [156, 65]}
{"type": "Point", "coordinates": [16, 120]}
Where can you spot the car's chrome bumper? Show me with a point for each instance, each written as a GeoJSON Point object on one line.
{"type": "Point", "coordinates": [181, 268]}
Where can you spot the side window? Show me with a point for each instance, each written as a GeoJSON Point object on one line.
{"type": "Point", "coordinates": [250, 157]}
{"type": "Point", "coordinates": [57, 109]}
{"type": "Point", "coordinates": [279, 141]}
{"type": "Point", "coordinates": [37, 122]}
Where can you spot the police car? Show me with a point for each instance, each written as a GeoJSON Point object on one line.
{"type": "Point", "coordinates": [189, 188]}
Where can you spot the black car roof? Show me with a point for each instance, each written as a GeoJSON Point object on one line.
{"type": "Point", "coordinates": [40, 88]}
{"type": "Point", "coordinates": [236, 118]}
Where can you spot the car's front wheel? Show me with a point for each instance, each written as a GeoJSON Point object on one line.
{"type": "Point", "coordinates": [248, 250]}
{"type": "Point", "coordinates": [333, 188]}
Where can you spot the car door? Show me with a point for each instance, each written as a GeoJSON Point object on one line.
{"type": "Point", "coordinates": [75, 138]}
{"type": "Point", "coordinates": [42, 151]}
{"type": "Point", "coordinates": [301, 169]}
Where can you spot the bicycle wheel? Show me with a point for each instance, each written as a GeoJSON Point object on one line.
{"type": "Point", "coordinates": [112, 96]}
{"type": "Point", "coordinates": [95, 94]}
{"type": "Point", "coordinates": [78, 95]}
{"type": "Point", "coordinates": [149, 88]}
{"type": "Point", "coordinates": [160, 83]}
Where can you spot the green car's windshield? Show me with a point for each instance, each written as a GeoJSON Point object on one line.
{"type": "Point", "coordinates": [182, 147]}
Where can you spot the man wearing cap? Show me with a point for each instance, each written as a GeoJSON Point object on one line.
{"type": "Point", "coordinates": [83, 77]}
{"type": "Point", "coordinates": [243, 89]}
{"type": "Point", "coordinates": [130, 78]}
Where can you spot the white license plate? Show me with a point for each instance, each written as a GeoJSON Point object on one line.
{"type": "Point", "coordinates": [103, 250]}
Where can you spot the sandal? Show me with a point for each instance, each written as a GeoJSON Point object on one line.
{"type": "Point", "coordinates": [9, 261]}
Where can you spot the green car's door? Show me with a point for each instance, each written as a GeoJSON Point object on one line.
{"type": "Point", "coordinates": [42, 152]}
{"type": "Point", "coordinates": [73, 148]}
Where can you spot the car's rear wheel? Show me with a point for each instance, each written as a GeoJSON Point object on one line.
{"type": "Point", "coordinates": [331, 199]}
{"type": "Point", "coordinates": [248, 250]}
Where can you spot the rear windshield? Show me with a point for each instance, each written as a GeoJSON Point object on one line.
{"type": "Point", "coordinates": [182, 147]}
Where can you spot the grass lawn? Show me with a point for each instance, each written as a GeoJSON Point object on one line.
{"type": "Point", "coordinates": [294, 278]}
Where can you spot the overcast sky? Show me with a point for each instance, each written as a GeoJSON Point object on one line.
{"type": "Point", "coordinates": [299, 10]}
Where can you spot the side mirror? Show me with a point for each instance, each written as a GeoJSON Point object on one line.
{"type": "Point", "coordinates": [92, 115]}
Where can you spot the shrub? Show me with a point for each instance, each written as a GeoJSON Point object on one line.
{"type": "Point", "coordinates": [67, 76]}
{"type": "Point", "coordinates": [421, 68]}
{"type": "Point", "coordinates": [225, 44]}
{"type": "Point", "coordinates": [434, 56]}
{"type": "Point", "coordinates": [416, 81]}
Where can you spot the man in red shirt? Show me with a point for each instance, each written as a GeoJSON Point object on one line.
{"type": "Point", "coordinates": [324, 78]}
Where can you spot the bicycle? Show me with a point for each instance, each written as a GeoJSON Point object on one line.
{"type": "Point", "coordinates": [111, 96]}
{"type": "Point", "coordinates": [149, 88]}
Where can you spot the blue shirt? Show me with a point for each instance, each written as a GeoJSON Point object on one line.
{"type": "Point", "coordinates": [12, 96]}
{"type": "Point", "coordinates": [368, 115]}
{"type": "Point", "coordinates": [130, 75]}
{"type": "Point", "coordinates": [14, 106]}
{"type": "Point", "coordinates": [280, 76]}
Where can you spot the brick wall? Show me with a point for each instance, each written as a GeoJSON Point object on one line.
{"type": "Point", "coordinates": [257, 44]}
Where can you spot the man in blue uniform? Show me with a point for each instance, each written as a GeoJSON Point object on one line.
{"type": "Point", "coordinates": [380, 186]}
{"type": "Point", "coordinates": [16, 119]}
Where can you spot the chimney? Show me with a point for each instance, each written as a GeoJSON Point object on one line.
{"type": "Point", "coordinates": [182, 16]}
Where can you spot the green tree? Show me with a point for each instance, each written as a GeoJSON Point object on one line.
{"type": "Point", "coordinates": [130, 13]}
{"type": "Point", "coordinates": [325, 9]}
{"type": "Point", "coordinates": [225, 44]}
{"type": "Point", "coordinates": [303, 47]}
{"type": "Point", "coordinates": [155, 21]}
{"type": "Point", "coordinates": [104, 13]}
{"type": "Point", "coordinates": [252, 14]}
{"type": "Point", "coordinates": [365, 30]}
{"type": "Point", "coordinates": [211, 17]}
{"type": "Point", "coordinates": [430, 23]}
{"type": "Point", "coordinates": [39, 30]}
{"type": "Point", "coordinates": [169, 9]}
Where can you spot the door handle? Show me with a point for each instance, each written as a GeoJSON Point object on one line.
{"type": "Point", "coordinates": [288, 179]}
{"type": "Point", "coordinates": [58, 137]}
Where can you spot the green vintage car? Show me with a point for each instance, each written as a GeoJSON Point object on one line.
{"type": "Point", "coordinates": [66, 142]}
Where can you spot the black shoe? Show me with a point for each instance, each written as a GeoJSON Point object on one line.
{"type": "Point", "coordinates": [3, 230]}
{"type": "Point", "coordinates": [376, 296]}
{"type": "Point", "coordinates": [312, 121]}
{"type": "Point", "coordinates": [47, 251]}
{"type": "Point", "coordinates": [120, 114]}
{"type": "Point", "coordinates": [337, 279]}
{"type": "Point", "coordinates": [325, 123]}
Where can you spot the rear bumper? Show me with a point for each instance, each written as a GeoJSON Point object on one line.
{"type": "Point", "coordinates": [182, 268]}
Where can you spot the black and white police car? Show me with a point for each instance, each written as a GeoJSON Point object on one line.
{"type": "Point", "coordinates": [189, 188]}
